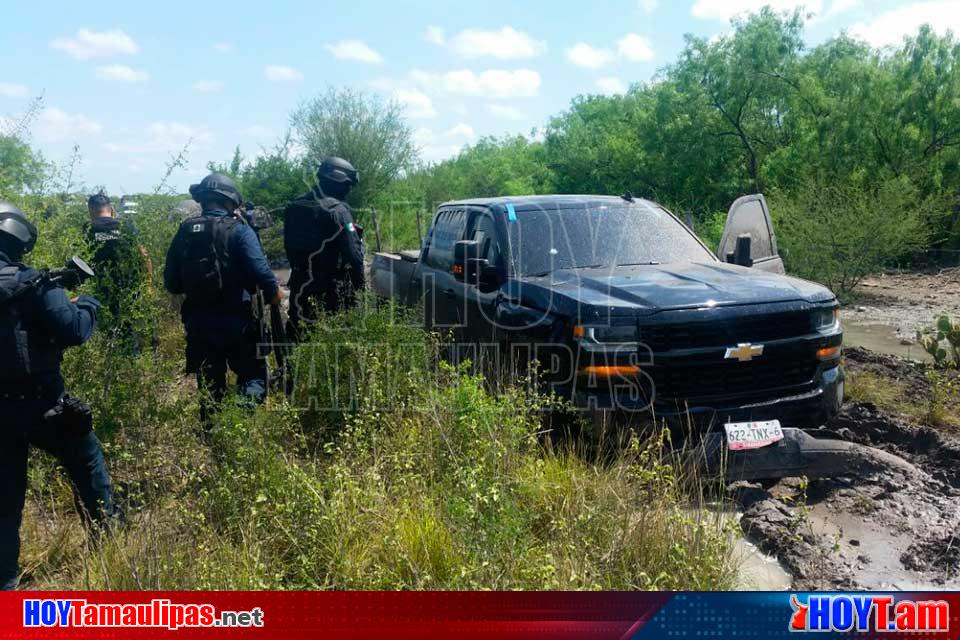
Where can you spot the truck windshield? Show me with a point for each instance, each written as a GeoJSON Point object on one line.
{"type": "Point", "coordinates": [597, 235]}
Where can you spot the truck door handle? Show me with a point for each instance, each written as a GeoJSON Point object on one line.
{"type": "Point", "coordinates": [449, 294]}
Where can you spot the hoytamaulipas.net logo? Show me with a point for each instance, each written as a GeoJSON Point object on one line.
{"type": "Point", "coordinates": [61, 612]}
{"type": "Point", "coordinates": [862, 612]}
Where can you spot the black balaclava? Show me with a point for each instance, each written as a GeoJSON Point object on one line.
{"type": "Point", "coordinates": [338, 190]}
{"type": "Point", "coordinates": [11, 248]}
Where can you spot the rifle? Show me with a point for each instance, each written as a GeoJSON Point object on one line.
{"type": "Point", "coordinates": [74, 273]}
{"type": "Point", "coordinates": [269, 316]}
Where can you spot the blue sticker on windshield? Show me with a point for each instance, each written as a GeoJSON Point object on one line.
{"type": "Point", "coordinates": [511, 213]}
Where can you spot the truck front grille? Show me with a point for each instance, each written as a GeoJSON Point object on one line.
{"type": "Point", "coordinates": [731, 377]}
{"type": "Point", "coordinates": [723, 333]}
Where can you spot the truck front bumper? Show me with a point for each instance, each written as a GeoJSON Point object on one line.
{"type": "Point", "coordinates": [810, 406]}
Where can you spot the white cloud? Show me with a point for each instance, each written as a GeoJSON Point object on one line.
{"type": "Point", "coordinates": [631, 47]}
{"type": "Point", "coordinates": [416, 103]}
{"type": "Point", "coordinates": [504, 111]}
{"type": "Point", "coordinates": [281, 73]}
{"type": "Point", "coordinates": [492, 83]}
{"type": "Point", "coordinates": [889, 28]}
{"type": "Point", "coordinates": [54, 125]}
{"type": "Point", "coordinates": [461, 130]}
{"type": "Point", "coordinates": [436, 146]}
{"type": "Point", "coordinates": [207, 86]}
{"type": "Point", "coordinates": [835, 8]}
{"type": "Point", "coordinates": [354, 50]}
{"type": "Point", "coordinates": [505, 43]}
{"type": "Point", "coordinates": [223, 47]}
{"type": "Point", "coordinates": [590, 57]}
{"type": "Point", "coordinates": [435, 35]}
{"type": "Point", "coordinates": [385, 84]}
{"type": "Point", "coordinates": [726, 9]}
{"type": "Point", "coordinates": [647, 6]}
{"type": "Point", "coordinates": [718, 37]}
{"type": "Point", "coordinates": [9, 90]}
{"type": "Point", "coordinates": [121, 73]}
{"type": "Point", "coordinates": [841, 6]}
{"type": "Point", "coordinates": [611, 84]}
{"type": "Point", "coordinates": [176, 133]}
{"type": "Point", "coordinates": [87, 44]}
{"type": "Point", "coordinates": [164, 137]}
{"type": "Point", "coordinates": [635, 48]}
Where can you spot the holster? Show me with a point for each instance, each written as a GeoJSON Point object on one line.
{"type": "Point", "coordinates": [70, 416]}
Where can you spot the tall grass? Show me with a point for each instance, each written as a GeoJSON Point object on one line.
{"type": "Point", "coordinates": [385, 470]}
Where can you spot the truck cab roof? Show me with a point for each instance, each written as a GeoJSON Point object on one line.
{"type": "Point", "coordinates": [546, 202]}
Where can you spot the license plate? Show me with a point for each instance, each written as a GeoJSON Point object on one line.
{"type": "Point", "coordinates": [752, 435]}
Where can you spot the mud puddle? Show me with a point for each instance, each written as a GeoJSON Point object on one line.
{"type": "Point", "coordinates": [881, 338]}
{"type": "Point", "coordinates": [891, 308]}
{"type": "Point", "coordinates": [758, 571]}
{"type": "Point", "coordinates": [896, 529]}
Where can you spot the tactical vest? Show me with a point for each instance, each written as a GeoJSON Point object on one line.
{"type": "Point", "coordinates": [106, 237]}
{"type": "Point", "coordinates": [205, 261]}
{"type": "Point", "coordinates": [309, 227]}
{"type": "Point", "coordinates": [24, 351]}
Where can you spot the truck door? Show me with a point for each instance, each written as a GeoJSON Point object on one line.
{"type": "Point", "coordinates": [750, 216]}
{"type": "Point", "coordinates": [480, 306]}
{"type": "Point", "coordinates": [443, 294]}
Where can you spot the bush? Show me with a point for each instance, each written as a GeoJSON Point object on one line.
{"type": "Point", "coordinates": [837, 233]}
{"type": "Point", "coordinates": [710, 230]}
{"type": "Point", "coordinates": [423, 479]}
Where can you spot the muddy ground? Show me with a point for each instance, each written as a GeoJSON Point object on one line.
{"type": "Point", "coordinates": [890, 308]}
{"type": "Point", "coordinates": [898, 528]}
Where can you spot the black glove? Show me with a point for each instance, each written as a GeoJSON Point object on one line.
{"type": "Point", "coordinates": [70, 416]}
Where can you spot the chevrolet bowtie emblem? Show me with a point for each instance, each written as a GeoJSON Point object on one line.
{"type": "Point", "coordinates": [744, 352]}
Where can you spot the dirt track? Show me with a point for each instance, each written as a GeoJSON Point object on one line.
{"type": "Point", "coordinates": [898, 528]}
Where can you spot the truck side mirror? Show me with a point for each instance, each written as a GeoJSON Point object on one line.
{"type": "Point", "coordinates": [742, 251]}
{"type": "Point", "coordinates": [464, 253]}
{"type": "Point", "coordinates": [489, 277]}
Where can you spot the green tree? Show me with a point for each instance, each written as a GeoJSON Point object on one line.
{"type": "Point", "coordinates": [272, 178]}
{"type": "Point", "coordinates": [364, 129]}
{"type": "Point", "coordinates": [837, 232]}
{"type": "Point", "coordinates": [22, 170]}
{"type": "Point", "coordinates": [738, 86]}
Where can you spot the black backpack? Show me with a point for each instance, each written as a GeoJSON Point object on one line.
{"type": "Point", "coordinates": [205, 261]}
{"type": "Point", "coordinates": [23, 354]}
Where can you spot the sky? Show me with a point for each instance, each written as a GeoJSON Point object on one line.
{"type": "Point", "coordinates": [130, 84]}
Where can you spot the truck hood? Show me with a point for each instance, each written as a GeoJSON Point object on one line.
{"type": "Point", "coordinates": [653, 288]}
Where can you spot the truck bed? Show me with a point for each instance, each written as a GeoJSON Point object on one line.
{"type": "Point", "coordinates": [391, 274]}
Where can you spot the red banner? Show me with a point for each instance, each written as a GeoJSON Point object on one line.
{"type": "Point", "coordinates": [424, 615]}
{"type": "Point", "coordinates": [295, 615]}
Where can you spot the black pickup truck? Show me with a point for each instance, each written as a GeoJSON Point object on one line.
{"type": "Point", "coordinates": [624, 307]}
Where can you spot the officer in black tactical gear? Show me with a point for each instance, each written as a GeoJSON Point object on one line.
{"type": "Point", "coordinates": [121, 263]}
{"type": "Point", "coordinates": [37, 322]}
{"type": "Point", "coordinates": [324, 245]}
{"type": "Point", "coordinates": [215, 260]}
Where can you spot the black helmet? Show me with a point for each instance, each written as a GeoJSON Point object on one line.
{"type": "Point", "coordinates": [338, 170]}
{"type": "Point", "coordinates": [219, 184]}
{"type": "Point", "coordinates": [13, 224]}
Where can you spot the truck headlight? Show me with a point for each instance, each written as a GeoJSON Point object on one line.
{"type": "Point", "coordinates": [826, 320]}
{"type": "Point", "coordinates": [626, 334]}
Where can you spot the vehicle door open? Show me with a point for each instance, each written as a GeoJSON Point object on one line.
{"type": "Point", "coordinates": [748, 238]}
